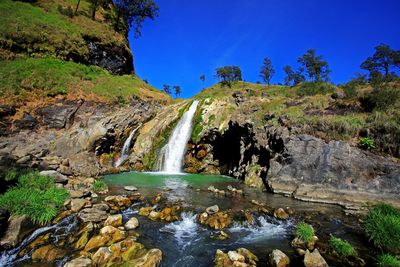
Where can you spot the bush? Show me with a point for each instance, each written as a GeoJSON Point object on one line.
{"type": "Point", "coordinates": [382, 227]}
{"type": "Point", "coordinates": [381, 99]}
{"type": "Point", "coordinates": [315, 88]}
{"type": "Point", "coordinates": [341, 247]}
{"type": "Point", "coordinates": [386, 260]}
{"type": "Point", "coordinates": [367, 143]}
{"type": "Point", "coordinates": [99, 186]}
{"type": "Point", "coordinates": [66, 11]}
{"type": "Point", "coordinates": [305, 232]}
{"type": "Point", "coordinates": [34, 196]}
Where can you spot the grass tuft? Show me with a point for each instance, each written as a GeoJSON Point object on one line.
{"type": "Point", "coordinates": [304, 232]}
{"type": "Point", "coordinates": [386, 260]}
{"type": "Point", "coordinates": [99, 186]}
{"type": "Point", "coordinates": [341, 247]}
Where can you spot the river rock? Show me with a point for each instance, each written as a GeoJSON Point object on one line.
{"type": "Point", "coordinates": [102, 256]}
{"type": "Point", "coordinates": [235, 256]}
{"type": "Point", "coordinates": [314, 259]}
{"type": "Point", "coordinates": [132, 224]}
{"type": "Point", "coordinates": [118, 202]}
{"type": "Point", "coordinates": [130, 188]}
{"type": "Point", "coordinates": [154, 215]}
{"type": "Point", "coordinates": [77, 204]}
{"type": "Point", "coordinates": [212, 210]}
{"type": "Point", "coordinates": [281, 214]}
{"type": "Point", "coordinates": [18, 228]}
{"type": "Point", "coordinates": [48, 253]}
{"type": "Point", "coordinates": [217, 221]}
{"type": "Point", "coordinates": [58, 177]}
{"type": "Point", "coordinates": [114, 220]}
{"type": "Point", "coordinates": [240, 257]}
{"type": "Point", "coordinates": [79, 262]}
{"type": "Point", "coordinates": [97, 213]}
{"type": "Point", "coordinates": [278, 259]}
{"type": "Point", "coordinates": [151, 259]}
{"type": "Point", "coordinates": [170, 214]}
{"type": "Point", "coordinates": [145, 211]}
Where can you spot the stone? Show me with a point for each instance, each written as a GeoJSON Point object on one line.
{"type": "Point", "coordinates": [101, 257]}
{"type": "Point", "coordinates": [76, 193]}
{"type": "Point", "coordinates": [118, 201]}
{"type": "Point", "coordinates": [4, 216]}
{"type": "Point", "coordinates": [18, 228]}
{"type": "Point", "coordinates": [58, 177]}
{"type": "Point", "coordinates": [156, 199]}
{"type": "Point", "coordinates": [145, 211]}
{"type": "Point", "coordinates": [97, 213]}
{"type": "Point", "coordinates": [170, 214]}
{"type": "Point", "coordinates": [281, 214]}
{"type": "Point", "coordinates": [154, 215]}
{"type": "Point", "coordinates": [235, 256]}
{"type": "Point", "coordinates": [278, 259]}
{"type": "Point", "coordinates": [79, 262]}
{"type": "Point", "coordinates": [212, 209]}
{"type": "Point", "coordinates": [132, 224]}
{"type": "Point", "coordinates": [96, 242]}
{"type": "Point", "coordinates": [314, 259]}
{"type": "Point", "coordinates": [201, 154]}
{"type": "Point", "coordinates": [152, 258]}
{"type": "Point", "coordinates": [56, 116]}
{"type": "Point", "coordinates": [114, 220]}
{"type": "Point", "coordinates": [217, 221]}
{"type": "Point", "coordinates": [77, 204]}
{"type": "Point", "coordinates": [130, 188]}
{"type": "Point", "coordinates": [114, 233]}
{"type": "Point", "coordinates": [48, 253]}
{"type": "Point", "coordinates": [26, 122]}
{"type": "Point", "coordinates": [250, 257]}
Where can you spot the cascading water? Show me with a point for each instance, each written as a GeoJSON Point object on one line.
{"type": "Point", "coordinates": [125, 148]}
{"type": "Point", "coordinates": [171, 155]}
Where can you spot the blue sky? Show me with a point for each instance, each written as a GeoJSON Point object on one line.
{"type": "Point", "coordinates": [191, 38]}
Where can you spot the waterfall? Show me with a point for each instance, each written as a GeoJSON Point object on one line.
{"type": "Point", "coordinates": [171, 156]}
{"type": "Point", "coordinates": [125, 148]}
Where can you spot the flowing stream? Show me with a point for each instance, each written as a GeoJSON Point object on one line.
{"type": "Point", "coordinates": [125, 148]}
{"type": "Point", "coordinates": [171, 156]}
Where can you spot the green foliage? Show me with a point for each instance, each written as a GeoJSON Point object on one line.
{"type": "Point", "coordinates": [304, 232]}
{"type": "Point", "coordinates": [367, 143]}
{"type": "Point", "coordinates": [386, 260]}
{"type": "Point", "coordinates": [382, 227]}
{"type": "Point", "coordinates": [316, 67]}
{"type": "Point", "coordinates": [68, 11]}
{"type": "Point", "coordinates": [381, 98]}
{"type": "Point", "coordinates": [267, 70]}
{"type": "Point", "coordinates": [99, 186]}
{"type": "Point", "coordinates": [35, 196]}
{"type": "Point", "coordinates": [315, 88]}
{"type": "Point", "coordinates": [11, 175]}
{"type": "Point", "coordinates": [341, 247]}
{"type": "Point", "coordinates": [228, 74]}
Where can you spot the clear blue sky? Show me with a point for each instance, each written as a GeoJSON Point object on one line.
{"type": "Point", "coordinates": [191, 38]}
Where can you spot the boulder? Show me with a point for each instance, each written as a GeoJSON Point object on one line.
{"type": "Point", "coordinates": [278, 259]}
{"type": "Point", "coordinates": [314, 259]}
{"type": "Point", "coordinates": [212, 209]}
{"type": "Point", "coordinates": [240, 258]}
{"type": "Point", "coordinates": [152, 258]}
{"type": "Point", "coordinates": [77, 204]}
{"type": "Point", "coordinates": [130, 188]}
{"type": "Point", "coordinates": [48, 253]}
{"type": "Point", "coordinates": [114, 233]}
{"type": "Point", "coordinates": [97, 242]}
{"type": "Point", "coordinates": [18, 228]}
{"type": "Point", "coordinates": [97, 213]}
{"type": "Point", "coordinates": [235, 256]}
{"type": "Point", "coordinates": [217, 221]}
{"type": "Point", "coordinates": [102, 256]}
{"type": "Point", "coordinates": [114, 220]}
{"type": "Point", "coordinates": [132, 224]}
{"type": "Point", "coordinates": [26, 122]}
{"type": "Point", "coordinates": [118, 202]}
{"type": "Point", "coordinates": [79, 262]}
{"type": "Point", "coordinates": [154, 215]}
{"type": "Point", "coordinates": [57, 116]}
{"type": "Point", "coordinates": [145, 211]}
{"type": "Point", "coordinates": [58, 177]}
{"type": "Point", "coordinates": [281, 214]}
{"type": "Point", "coordinates": [170, 214]}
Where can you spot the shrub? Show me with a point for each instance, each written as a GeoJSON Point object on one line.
{"type": "Point", "coordinates": [341, 247]}
{"type": "Point", "coordinates": [34, 196]}
{"type": "Point", "coordinates": [304, 232]}
{"type": "Point", "coordinates": [386, 260]}
{"type": "Point", "coordinates": [382, 227]}
{"type": "Point", "coordinates": [381, 99]}
{"type": "Point", "coordinates": [66, 11]}
{"type": "Point", "coordinates": [367, 143]}
{"type": "Point", "coordinates": [99, 186]}
{"type": "Point", "coordinates": [11, 175]}
{"type": "Point", "coordinates": [315, 88]}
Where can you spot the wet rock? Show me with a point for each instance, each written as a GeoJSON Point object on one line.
{"type": "Point", "coordinates": [314, 259]}
{"type": "Point", "coordinates": [77, 204]}
{"type": "Point", "coordinates": [18, 228]}
{"type": "Point", "coordinates": [201, 154]}
{"type": "Point", "coordinates": [154, 215]}
{"type": "Point", "coordinates": [220, 236]}
{"type": "Point", "coordinates": [235, 256]}
{"type": "Point", "coordinates": [212, 209]}
{"type": "Point", "coordinates": [26, 122]}
{"type": "Point", "coordinates": [114, 220]}
{"type": "Point", "coordinates": [217, 221]}
{"type": "Point", "coordinates": [48, 253]}
{"type": "Point", "coordinates": [77, 193]}
{"type": "Point", "coordinates": [82, 241]}
{"type": "Point", "coordinates": [249, 256]}
{"type": "Point", "coordinates": [118, 202]}
{"type": "Point", "coordinates": [101, 257]}
{"type": "Point", "coordinates": [79, 262]}
{"type": "Point", "coordinates": [156, 199]}
{"type": "Point", "coordinates": [170, 214]}
{"type": "Point", "coordinates": [130, 188]}
{"type": "Point", "coordinates": [97, 213]}
{"type": "Point", "coordinates": [96, 242]}
{"type": "Point", "coordinates": [281, 214]}
{"type": "Point", "coordinates": [151, 259]}
{"type": "Point", "coordinates": [132, 224]}
{"type": "Point", "coordinates": [145, 211]}
{"type": "Point", "coordinates": [114, 233]}
{"type": "Point", "coordinates": [278, 259]}
{"type": "Point", "coordinates": [58, 177]}
{"type": "Point", "coordinates": [240, 257]}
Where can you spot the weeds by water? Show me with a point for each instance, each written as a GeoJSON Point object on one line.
{"type": "Point", "coordinates": [341, 247]}
{"type": "Point", "coordinates": [305, 232]}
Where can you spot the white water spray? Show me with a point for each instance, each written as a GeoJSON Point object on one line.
{"type": "Point", "coordinates": [125, 148]}
{"type": "Point", "coordinates": [171, 155]}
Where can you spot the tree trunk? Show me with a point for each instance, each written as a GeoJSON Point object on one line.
{"type": "Point", "coordinates": [77, 6]}
{"type": "Point", "coordinates": [94, 4]}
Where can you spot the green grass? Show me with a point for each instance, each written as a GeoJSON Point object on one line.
{"type": "Point", "coordinates": [315, 88]}
{"type": "Point", "coordinates": [367, 143]}
{"type": "Point", "coordinates": [99, 186]}
{"type": "Point", "coordinates": [50, 76]}
{"type": "Point", "coordinates": [341, 247]}
{"type": "Point", "coordinates": [35, 196]}
{"type": "Point", "coordinates": [382, 227]}
{"type": "Point", "coordinates": [386, 260]}
{"type": "Point", "coordinates": [304, 232]}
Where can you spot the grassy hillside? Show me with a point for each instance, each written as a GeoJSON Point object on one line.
{"type": "Point", "coordinates": [313, 108]}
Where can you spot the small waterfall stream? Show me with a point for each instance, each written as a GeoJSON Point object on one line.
{"type": "Point", "coordinates": [171, 155]}
{"type": "Point", "coordinates": [125, 148]}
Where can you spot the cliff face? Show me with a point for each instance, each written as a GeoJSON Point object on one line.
{"type": "Point", "coordinates": [53, 29]}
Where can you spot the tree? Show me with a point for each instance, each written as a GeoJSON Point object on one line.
{"type": "Point", "coordinates": [202, 78]}
{"type": "Point", "coordinates": [77, 6]}
{"type": "Point", "coordinates": [94, 4]}
{"type": "Point", "coordinates": [177, 90]}
{"type": "Point", "coordinates": [293, 77]}
{"type": "Point", "coordinates": [229, 74]}
{"type": "Point", "coordinates": [316, 67]}
{"type": "Point", "coordinates": [381, 62]}
{"type": "Point", "coordinates": [134, 12]}
{"type": "Point", "coordinates": [267, 70]}
{"type": "Point", "coordinates": [167, 89]}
